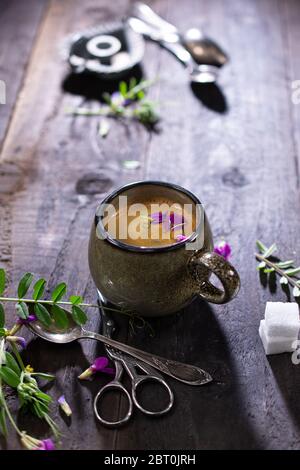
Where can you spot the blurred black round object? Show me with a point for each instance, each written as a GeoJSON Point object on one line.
{"type": "Point", "coordinates": [110, 51]}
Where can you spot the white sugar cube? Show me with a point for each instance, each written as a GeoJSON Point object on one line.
{"type": "Point", "coordinates": [276, 345]}
{"type": "Point", "coordinates": [282, 319]}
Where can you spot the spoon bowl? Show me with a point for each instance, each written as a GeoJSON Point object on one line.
{"type": "Point", "coordinates": [54, 334]}
{"type": "Point", "coordinates": [203, 49]}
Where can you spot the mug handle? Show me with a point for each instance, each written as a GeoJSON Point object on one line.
{"type": "Point", "coordinates": [226, 273]}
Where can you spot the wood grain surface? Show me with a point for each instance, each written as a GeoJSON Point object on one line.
{"type": "Point", "coordinates": [235, 145]}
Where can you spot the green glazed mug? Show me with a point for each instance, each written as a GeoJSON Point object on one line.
{"type": "Point", "coordinates": [158, 281]}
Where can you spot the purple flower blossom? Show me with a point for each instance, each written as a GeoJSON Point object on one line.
{"type": "Point", "coordinates": [117, 99]}
{"type": "Point", "coordinates": [157, 217]}
{"type": "Point", "coordinates": [25, 321]}
{"type": "Point", "coordinates": [223, 249]}
{"type": "Point", "coordinates": [64, 405]}
{"type": "Point", "coordinates": [46, 444]}
{"type": "Point", "coordinates": [181, 238]}
{"type": "Point", "coordinates": [17, 340]}
{"type": "Point", "coordinates": [31, 443]}
{"type": "Point", "coordinates": [176, 219]}
{"type": "Point", "coordinates": [99, 365]}
{"type": "Point", "coordinates": [161, 218]}
{"type": "Point", "coordinates": [169, 221]}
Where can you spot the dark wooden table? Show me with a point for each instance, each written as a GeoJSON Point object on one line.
{"type": "Point", "coordinates": [237, 146]}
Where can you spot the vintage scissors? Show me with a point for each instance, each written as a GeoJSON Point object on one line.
{"type": "Point", "coordinates": [123, 362]}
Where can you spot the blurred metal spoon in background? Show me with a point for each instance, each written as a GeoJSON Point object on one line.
{"type": "Point", "coordinates": [199, 73]}
{"type": "Point", "coordinates": [202, 49]}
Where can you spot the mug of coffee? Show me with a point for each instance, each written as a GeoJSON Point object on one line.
{"type": "Point", "coordinates": [151, 250]}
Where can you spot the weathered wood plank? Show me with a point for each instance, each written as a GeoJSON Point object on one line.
{"type": "Point", "coordinates": [241, 163]}
{"type": "Point", "coordinates": [19, 23]}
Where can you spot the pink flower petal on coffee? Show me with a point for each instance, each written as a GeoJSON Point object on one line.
{"type": "Point", "coordinates": [176, 219]}
{"type": "Point", "coordinates": [181, 238]}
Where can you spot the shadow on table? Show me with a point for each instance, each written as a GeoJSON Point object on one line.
{"type": "Point", "coordinates": [287, 376]}
{"type": "Point", "coordinates": [92, 87]}
{"type": "Point", "coordinates": [207, 417]}
{"type": "Point", "coordinates": [210, 96]}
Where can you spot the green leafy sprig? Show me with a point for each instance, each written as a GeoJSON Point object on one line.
{"type": "Point", "coordinates": [286, 269]}
{"type": "Point", "coordinates": [15, 375]}
{"type": "Point", "coordinates": [53, 310]}
{"type": "Point", "coordinates": [129, 102]}
{"type": "Point", "coordinates": [13, 372]}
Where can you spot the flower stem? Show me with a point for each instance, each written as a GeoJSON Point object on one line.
{"type": "Point", "coordinates": [18, 356]}
{"type": "Point", "coordinates": [277, 269]}
{"type": "Point", "coordinates": [49, 302]}
{"type": "Point", "coordinates": [11, 419]}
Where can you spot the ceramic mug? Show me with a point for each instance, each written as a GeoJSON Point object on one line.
{"type": "Point", "coordinates": [157, 281]}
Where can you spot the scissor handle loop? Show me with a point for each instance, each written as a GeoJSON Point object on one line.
{"type": "Point", "coordinates": [114, 385]}
{"type": "Point", "coordinates": [151, 378]}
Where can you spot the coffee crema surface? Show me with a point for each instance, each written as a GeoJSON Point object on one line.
{"type": "Point", "coordinates": [151, 223]}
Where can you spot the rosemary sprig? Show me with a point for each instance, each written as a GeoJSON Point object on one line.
{"type": "Point", "coordinates": [285, 269]}
{"type": "Point", "coordinates": [129, 103]}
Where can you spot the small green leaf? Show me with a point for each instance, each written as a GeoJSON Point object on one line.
{"type": "Point", "coordinates": [123, 88]}
{"type": "Point", "coordinates": [268, 270]}
{"type": "Point", "coordinates": [43, 396]}
{"type": "Point", "coordinates": [24, 285]}
{"type": "Point", "coordinates": [132, 83]}
{"type": "Point", "coordinates": [270, 251]}
{"type": "Point", "coordinates": [262, 248]}
{"type": "Point", "coordinates": [9, 377]}
{"type": "Point", "coordinates": [2, 332]}
{"type": "Point", "coordinates": [2, 316]}
{"type": "Point", "coordinates": [2, 280]}
{"type": "Point", "coordinates": [60, 317]}
{"type": "Point", "coordinates": [42, 314]}
{"type": "Point", "coordinates": [22, 310]}
{"type": "Point", "coordinates": [292, 272]}
{"type": "Point", "coordinates": [283, 280]}
{"type": "Point", "coordinates": [76, 299]}
{"type": "Point", "coordinates": [12, 363]}
{"type": "Point", "coordinates": [38, 289]}
{"type": "Point", "coordinates": [285, 264]}
{"type": "Point", "coordinates": [79, 315]}
{"type": "Point", "coordinates": [140, 95]}
{"type": "Point", "coordinates": [3, 427]}
{"type": "Point", "coordinates": [59, 292]}
{"type": "Point", "coordinates": [41, 375]}
{"type": "Point", "coordinates": [296, 291]}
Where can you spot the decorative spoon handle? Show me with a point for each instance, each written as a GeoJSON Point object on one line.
{"type": "Point", "coordinates": [146, 14]}
{"type": "Point", "coordinates": [186, 373]}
